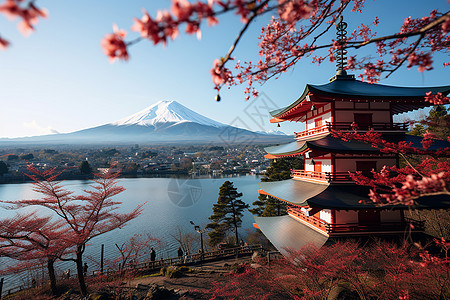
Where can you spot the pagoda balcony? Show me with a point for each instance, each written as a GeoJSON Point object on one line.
{"type": "Point", "coordinates": [311, 220]}
{"type": "Point", "coordinates": [347, 126]}
{"type": "Point", "coordinates": [403, 127]}
{"type": "Point", "coordinates": [356, 228]}
{"type": "Point", "coordinates": [322, 176]}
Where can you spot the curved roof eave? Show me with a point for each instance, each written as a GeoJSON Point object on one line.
{"type": "Point", "coordinates": [281, 230]}
{"type": "Point", "coordinates": [356, 88]}
{"type": "Point", "coordinates": [280, 111]}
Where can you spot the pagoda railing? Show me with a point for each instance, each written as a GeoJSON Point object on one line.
{"type": "Point", "coordinates": [343, 228]}
{"type": "Point", "coordinates": [407, 224]}
{"type": "Point", "coordinates": [312, 131]}
{"type": "Point", "coordinates": [312, 220]}
{"type": "Point", "coordinates": [348, 126]}
{"type": "Point", "coordinates": [375, 126]}
{"type": "Point", "coordinates": [322, 176]}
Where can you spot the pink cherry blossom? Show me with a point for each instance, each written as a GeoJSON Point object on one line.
{"type": "Point", "coordinates": [437, 99]}
{"type": "Point", "coordinates": [113, 45]}
{"type": "Point", "coordinates": [3, 44]}
{"type": "Point", "coordinates": [220, 75]}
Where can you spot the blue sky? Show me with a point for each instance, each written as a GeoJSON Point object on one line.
{"type": "Point", "coordinates": [59, 80]}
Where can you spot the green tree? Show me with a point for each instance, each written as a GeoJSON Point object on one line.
{"type": "Point", "coordinates": [3, 168]}
{"type": "Point", "coordinates": [85, 168]}
{"type": "Point", "coordinates": [437, 122]}
{"type": "Point", "coordinates": [280, 168]}
{"type": "Point", "coordinates": [227, 214]}
{"type": "Point", "coordinates": [267, 206]}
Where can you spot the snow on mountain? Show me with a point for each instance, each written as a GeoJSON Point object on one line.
{"type": "Point", "coordinates": [166, 112]}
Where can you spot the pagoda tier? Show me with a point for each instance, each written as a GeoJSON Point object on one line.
{"type": "Point", "coordinates": [346, 196]}
{"type": "Point", "coordinates": [343, 209]}
{"type": "Point", "coordinates": [356, 95]}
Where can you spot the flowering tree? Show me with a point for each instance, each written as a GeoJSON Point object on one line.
{"type": "Point", "coordinates": [381, 271]}
{"type": "Point", "coordinates": [83, 216]}
{"type": "Point", "coordinates": [33, 240]}
{"type": "Point", "coordinates": [26, 11]}
{"type": "Point", "coordinates": [294, 32]}
{"type": "Point", "coordinates": [394, 185]}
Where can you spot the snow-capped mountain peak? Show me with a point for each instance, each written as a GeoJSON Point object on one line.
{"type": "Point", "coordinates": [166, 112]}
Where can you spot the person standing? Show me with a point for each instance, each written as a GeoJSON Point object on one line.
{"type": "Point", "coordinates": [85, 268]}
{"type": "Point", "coordinates": [180, 253]}
{"type": "Point", "coordinates": [152, 254]}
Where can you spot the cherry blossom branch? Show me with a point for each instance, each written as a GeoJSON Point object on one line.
{"type": "Point", "coordinates": [241, 33]}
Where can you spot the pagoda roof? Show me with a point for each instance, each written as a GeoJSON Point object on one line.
{"type": "Point", "coordinates": [404, 98]}
{"type": "Point", "coordinates": [281, 230]}
{"type": "Point", "coordinates": [337, 196]}
{"type": "Point", "coordinates": [330, 144]}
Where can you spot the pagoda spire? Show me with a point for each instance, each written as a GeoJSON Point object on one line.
{"type": "Point", "coordinates": [341, 58]}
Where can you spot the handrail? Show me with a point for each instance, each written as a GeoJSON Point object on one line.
{"type": "Point", "coordinates": [316, 222]}
{"type": "Point", "coordinates": [356, 227]}
{"type": "Point", "coordinates": [324, 176]}
{"type": "Point", "coordinates": [198, 257]}
{"type": "Point", "coordinates": [384, 226]}
{"type": "Point", "coordinates": [379, 126]}
{"type": "Point", "coordinates": [312, 131]}
{"type": "Point", "coordinates": [376, 126]}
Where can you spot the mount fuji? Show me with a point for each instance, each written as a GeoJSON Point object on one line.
{"type": "Point", "coordinates": [163, 122]}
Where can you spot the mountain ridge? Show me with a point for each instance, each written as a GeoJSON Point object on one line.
{"type": "Point", "coordinates": [163, 122]}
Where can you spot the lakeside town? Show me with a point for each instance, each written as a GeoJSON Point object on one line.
{"type": "Point", "coordinates": [134, 160]}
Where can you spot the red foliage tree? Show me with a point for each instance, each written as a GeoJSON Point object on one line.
{"type": "Point", "coordinates": [31, 239]}
{"type": "Point", "coordinates": [381, 271]}
{"type": "Point", "coordinates": [84, 216]}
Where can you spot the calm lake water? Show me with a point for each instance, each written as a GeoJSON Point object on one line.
{"type": "Point", "coordinates": [170, 203]}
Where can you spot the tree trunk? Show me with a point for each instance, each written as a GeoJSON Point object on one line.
{"type": "Point", "coordinates": [80, 273]}
{"type": "Point", "coordinates": [52, 276]}
{"type": "Point", "coordinates": [235, 224]}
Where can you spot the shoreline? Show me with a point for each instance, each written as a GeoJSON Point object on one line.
{"type": "Point", "coordinates": [172, 174]}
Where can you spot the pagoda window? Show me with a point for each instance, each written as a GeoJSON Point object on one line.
{"type": "Point", "coordinates": [317, 166]}
{"type": "Point", "coordinates": [369, 217]}
{"type": "Point", "coordinates": [364, 121]}
{"type": "Point", "coordinates": [318, 122]}
{"type": "Point", "coordinates": [366, 167]}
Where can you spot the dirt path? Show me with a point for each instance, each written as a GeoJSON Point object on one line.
{"type": "Point", "coordinates": [200, 279]}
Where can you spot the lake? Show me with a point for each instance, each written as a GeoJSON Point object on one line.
{"type": "Point", "coordinates": [170, 203]}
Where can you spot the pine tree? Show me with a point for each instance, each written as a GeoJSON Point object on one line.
{"type": "Point", "coordinates": [3, 168]}
{"type": "Point", "coordinates": [279, 170]}
{"type": "Point", "coordinates": [85, 168]}
{"type": "Point", "coordinates": [227, 214]}
{"type": "Point", "coordinates": [268, 207]}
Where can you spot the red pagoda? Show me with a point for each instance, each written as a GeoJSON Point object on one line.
{"type": "Point", "coordinates": [322, 200]}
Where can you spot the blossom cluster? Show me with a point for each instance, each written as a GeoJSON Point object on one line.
{"type": "Point", "coordinates": [27, 12]}
{"type": "Point", "coordinates": [113, 45]}
{"type": "Point", "coordinates": [393, 185]}
{"type": "Point", "coordinates": [437, 99]}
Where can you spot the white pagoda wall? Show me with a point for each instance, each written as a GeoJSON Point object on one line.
{"type": "Point", "coordinates": [326, 164]}
{"type": "Point", "coordinates": [325, 215]}
{"type": "Point", "coordinates": [312, 116]}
